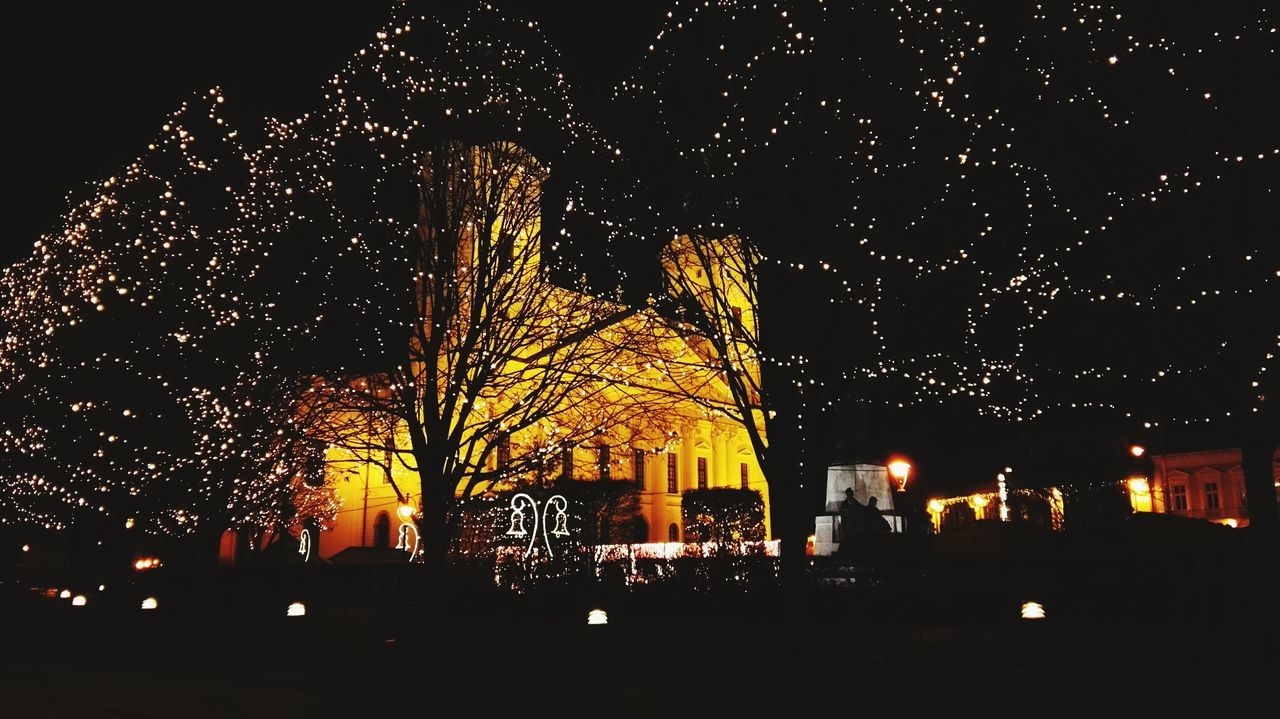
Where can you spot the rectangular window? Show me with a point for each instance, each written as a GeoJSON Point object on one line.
{"type": "Point", "coordinates": [702, 473]}
{"type": "Point", "coordinates": [673, 479]}
{"type": "Point", "coordinates": [566, 462]}
{"type": "Point", "coordinates": [744, 474]}
{"type": "Point", "coordinates": [637, 467]}
{"type": "Point", "coordinates": [1211, 495]}
{"type": "Point", "coordinates": [1179, 497]}
{"type": "Point", "coordinates": [604, 461]}
{"type": "Point", "coordinates": [504, 452]}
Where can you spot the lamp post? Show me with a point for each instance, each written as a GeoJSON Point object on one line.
{"type": "Point", "coordinates": [900, 469]}
{"type": "Point", "coordinates": [1002, 491]}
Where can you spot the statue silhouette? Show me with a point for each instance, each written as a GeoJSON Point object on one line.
{"type": "Point", "coordinates": [873, 520]}
{"type": "Point", "coordinates": [851, 511]}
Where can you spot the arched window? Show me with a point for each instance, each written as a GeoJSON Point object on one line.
{"type": "Point", "coordinates": [639, 530]}
{"type": "Point", "coordinates": [382, 531]}
{"type": "Point", "coordinates": [673, 532]}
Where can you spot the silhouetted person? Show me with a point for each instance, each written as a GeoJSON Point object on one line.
{"type": "Point", "coordinates": [851, 511]}
{"type": "Point", "coordinates": [873, 520]}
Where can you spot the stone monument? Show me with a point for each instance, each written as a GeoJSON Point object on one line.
{"type": "Point", "coordinates": [866, 481]}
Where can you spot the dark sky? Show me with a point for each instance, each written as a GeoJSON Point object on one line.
{"type": "Point", "coordinates": [87, 88]}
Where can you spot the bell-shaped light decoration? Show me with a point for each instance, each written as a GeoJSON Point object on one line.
{"type": "Point", "coordinates": [517, 524]}
{"type": "Point", "coordinates": [561, 528]}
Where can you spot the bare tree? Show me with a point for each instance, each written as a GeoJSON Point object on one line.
{"type": "Point", "coordinates": [492, 372]}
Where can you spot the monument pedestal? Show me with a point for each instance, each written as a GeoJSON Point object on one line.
{"type": "Point", "coordinates": [866, 481]}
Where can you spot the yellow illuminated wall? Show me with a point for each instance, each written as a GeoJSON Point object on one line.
{"type": "Point", "coordinates": [686, 435]}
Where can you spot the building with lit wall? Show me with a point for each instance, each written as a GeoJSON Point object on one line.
{"type": "Point", "coordinates": [1042, 507]}
{"type": "Point", "coordinates": [1207, 484]}
{"type": "Point", "coordinates": [670, 436]}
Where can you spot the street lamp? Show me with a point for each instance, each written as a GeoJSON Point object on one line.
{"type": "Point", "coordinates": [899, 469]}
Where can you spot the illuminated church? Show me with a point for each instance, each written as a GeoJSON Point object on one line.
{"type": "Point", "coordinates": [671, 440]}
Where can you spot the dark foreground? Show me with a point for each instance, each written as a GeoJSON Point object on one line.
{"type": "Point", "coordinates": [67, 664]}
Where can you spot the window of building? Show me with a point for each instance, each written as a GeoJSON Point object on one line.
{"type": "Point", "coordinates": [382, 531]}
{"type": "Point", "coordinates": [673, 532]}
{"type": "Point", "coordinates": [744, 474]}
{"type": "Point", "coordinates": [566, 462]}
{"type": "Point", "coordinates": [702, 473]}
{"type": "Point", "coordinates": [1179, 492]}
{"type": "Point", "coordinates": [1211, 496]}
{"type": "Point", "coordinates": [603, 460]}
{"type": "Point", "coordinates": [639, 530]}
{"type": "Point", "coordinates": [637, 467]}
{"type": "Point", "coordinates": [673, 479]}
{"type": "Point", "coordinates": [504, 452]}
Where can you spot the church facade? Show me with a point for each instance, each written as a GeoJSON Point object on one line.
{"type": "Point", "coordinates": [669, 436]}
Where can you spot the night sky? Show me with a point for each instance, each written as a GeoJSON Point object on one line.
{"type": "Point", "coordinates": [87, 90]}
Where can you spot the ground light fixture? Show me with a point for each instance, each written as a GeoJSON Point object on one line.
{"type": "Point", "coordinates": [150, 603]}
{"type": "Point", "coordinates": [1032, 610]}
{"type": "Point", "coordinates": [296, 609]}
{"type": "Point", "coordinates": [597, 616]}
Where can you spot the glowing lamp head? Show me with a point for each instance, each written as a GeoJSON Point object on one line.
{"type": "Point", "coordinates": [1137, 450]}
{"type": "Point", "coordinates": [296, 609]}
{"type": "Point", "coordinates": [1032, 610]}
{"type": "Point", "coordinates": [597, 616]}
{"type": "Point", "coordinates": [79, 601]}
{"type": "Point", "coordinates": [1139, 486]}
{"type": "Point", "coordinates": [150, 603]}
{"type": "Point", "coordinates": [64, 594]}
{"type": "Point", "coordinates": [26, 547]}
{"type": "Point", "coordinates": [405, 511]}
{"type": "Point", "coordinates": [936, 506]}
{"type": "Point", "coordinates": [899, 469]}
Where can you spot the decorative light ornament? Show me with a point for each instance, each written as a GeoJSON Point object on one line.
{"type": "Point", "coordinates": [1032, 610]}
{"type": "Point", "coordinates": [522, 502]}
{"type": "Point", "coordinates": [597, 616]}
{"type": "Point", "coordinates": [296, 609]}
{"type": "Point", "coordinates": [404, 542]}
{"type": "Point", "coordinates": [79, 601]}
{"type": "Point", "coordinates": [304, 545]}
{"type": "Point", "coordinates": [150, 603]}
